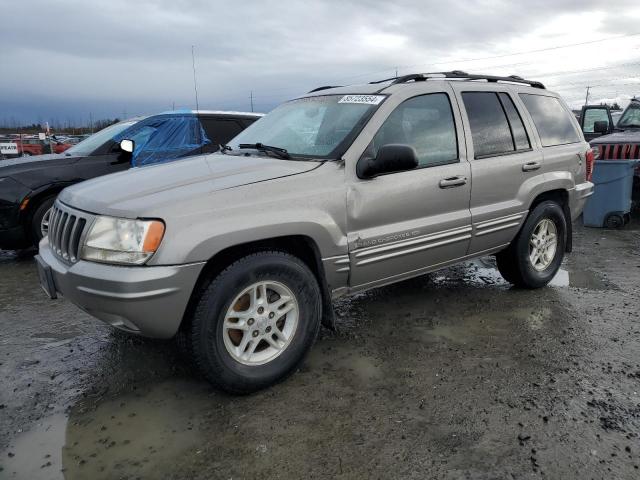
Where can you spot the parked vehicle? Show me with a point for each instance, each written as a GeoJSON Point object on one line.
{"type": "Point", "coordinates": [614, 141]}
{"type": "Point", "coordinates": [239, 254]}
{"type": "Point", "coordinates": [28, 147]}
{"type": "Point", "coordinates": [60, 144]}
{"type": "Point", "coordinates": [28, 187]}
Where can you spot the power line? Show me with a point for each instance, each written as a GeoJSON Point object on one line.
{"type": "Point", "coordinates": [525, 52]}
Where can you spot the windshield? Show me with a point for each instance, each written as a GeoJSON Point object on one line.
{"type": "Point", "coordinates": [315, 127]}
{"type": "Point", "coordinates": [89, 145]}
{"type": "Point", "coordinates": [631, 116]}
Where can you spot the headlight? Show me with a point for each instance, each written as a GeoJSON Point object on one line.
{"type": "Point", "coordinates": [122, 241]}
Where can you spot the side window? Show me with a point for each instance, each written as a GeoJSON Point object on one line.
{"type": "Point", "coordinates": [553, 122]}
{"type": "Point", "coordinates": [520, 137]}
{"type": "Point", "coordinates": [489, 126]}
{"type": "Point", "coordinates": [220, 131]}
{"type": "Point", "coordinates": [426, 123]}
{"type": "Point", "coordinates": [593, 115]}
{"type": "Point", "coordinates": [141, 137]}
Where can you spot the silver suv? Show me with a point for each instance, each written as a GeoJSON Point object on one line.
{"type": "Point", "coordinates": [240, 253]}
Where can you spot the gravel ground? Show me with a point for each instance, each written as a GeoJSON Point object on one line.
{"type": "Point", "coordinates": [452, 375]}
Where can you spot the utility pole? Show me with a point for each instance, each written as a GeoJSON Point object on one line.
{"type": "Point", "coordinates": [586, 99]}
{"type": "Point", "coordinates": [251, 99]}
{"type": "Point", "coordinates": [396, 72]}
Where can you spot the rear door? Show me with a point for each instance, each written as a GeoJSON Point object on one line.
{"type": "Point", "coordinates": [403, 223]}
{"type": "Point", "coordinates": [502, 160]}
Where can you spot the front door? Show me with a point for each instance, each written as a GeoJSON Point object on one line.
{"type": "Point", "coordinates": [595, 121]}
{"type": "Point", "coordinates": [401, 224]}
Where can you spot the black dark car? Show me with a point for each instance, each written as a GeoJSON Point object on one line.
{"type": "Point", "coordinates": [29, 186]}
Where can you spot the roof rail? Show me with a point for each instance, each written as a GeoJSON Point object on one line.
{"type": "Point", "coordinates": [460, 75]}
{"type": "Point", "coordinates": [323, 88]}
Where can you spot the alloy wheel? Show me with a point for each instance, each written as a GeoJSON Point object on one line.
{"type": "Point", "coordinates": [260, 323]}
{"type": "Point", "coordinates": [543, 244]}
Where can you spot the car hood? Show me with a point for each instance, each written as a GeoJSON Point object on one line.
{"type": "Point", "coordinates": [15, 166]}
{"type": "Point", "coordinates": [625, 136]}
{"type": "Point", "coordinates": [143, 191]}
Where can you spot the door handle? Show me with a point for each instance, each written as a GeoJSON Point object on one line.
{"type": "Point", "coordinates": [453, 182]}
{"type": "Point", "coordinates": [531, 166]}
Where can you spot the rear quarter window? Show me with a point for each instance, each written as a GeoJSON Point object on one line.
{"type": "Point", "coordinates": [553, 122]}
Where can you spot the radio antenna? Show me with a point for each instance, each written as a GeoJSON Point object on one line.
{"type": "Point", "coordinates": [195, 84]}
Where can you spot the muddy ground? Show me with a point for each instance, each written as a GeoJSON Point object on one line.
{"type": "Point", "coordinates": [453, 375]}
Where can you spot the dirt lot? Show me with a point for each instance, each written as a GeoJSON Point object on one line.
{"type": "Point", "coordinates": [453, 375]}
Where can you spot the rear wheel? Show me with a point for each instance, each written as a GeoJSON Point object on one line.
{"type": "Point", "coordinates": [254, 323]}
{"type": "Point", "coordinates": [535, 255]}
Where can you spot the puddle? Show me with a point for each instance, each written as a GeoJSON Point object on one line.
{"type": "Point", "coordinates": [359, 367]}
{"type": "Point", "coordinates": [133, 436]}
{"type": "Point", "coordinates": [37, 454]}
{"type": "Point", "coordinates": [483, 272]}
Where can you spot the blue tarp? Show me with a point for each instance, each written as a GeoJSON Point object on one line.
{"type": "Point", "coordinates": [163, 138]}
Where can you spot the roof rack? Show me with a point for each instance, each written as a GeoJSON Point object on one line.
{"type": "Point", "coordinates": [459, 75]}
{"type": "Point", "coordinates": [323, 88]}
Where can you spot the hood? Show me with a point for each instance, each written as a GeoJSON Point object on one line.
{"type": "Point", "coordinates": [15, 166]}
{"type": "Point", "coordinates": [144, 190]}
{"type": "Point", "coordinates": [625, 136]}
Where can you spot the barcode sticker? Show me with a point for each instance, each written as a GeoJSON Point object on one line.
{"type": "Point", "coordinates": [366, 99]}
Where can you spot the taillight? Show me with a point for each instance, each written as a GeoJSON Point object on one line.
{"type": "Point", "coordinates": [590, 159]}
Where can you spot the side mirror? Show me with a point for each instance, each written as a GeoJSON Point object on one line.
{"type": "Point", "coordinates": [127, 145]}
{"type": "Point", "coordinates": [390, 158]}
{"type": "Point", "coordinates": [601, 126]}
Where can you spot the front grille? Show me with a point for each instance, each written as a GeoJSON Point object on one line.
{"type": "Point", "coordinates": [66, 227]}
{"type": "Point", "coordinates": [619, 151]}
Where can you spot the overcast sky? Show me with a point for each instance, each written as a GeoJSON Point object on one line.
{"type": "Point", "coordinates": [72, 58]}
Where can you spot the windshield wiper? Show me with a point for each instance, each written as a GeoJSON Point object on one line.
{"type": "Point", "coordinates": [261, 147]}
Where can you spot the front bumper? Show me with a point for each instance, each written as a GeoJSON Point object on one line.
{"type": "Point", "coordinates": [149, 301]}
{"type": "Point", "coordinates": [578, 197]}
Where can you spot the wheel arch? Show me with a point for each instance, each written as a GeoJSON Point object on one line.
{"type": "Point", "coordinates": [300, 246]}
{"type": "Point", "coordinates": [35, 200]}
{"type": "Point", "coordinates": [39, 195]}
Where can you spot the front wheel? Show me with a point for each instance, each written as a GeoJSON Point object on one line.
{"type": "Point", "coordinates": [40, 220]}
{"type": "Point", "coordinates": [535, 255]}
{"type": "Point", "coordinates": [254, 323]}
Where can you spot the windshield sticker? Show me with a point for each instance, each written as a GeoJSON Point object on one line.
{"type": "Point", "coordinates": [366, 99]}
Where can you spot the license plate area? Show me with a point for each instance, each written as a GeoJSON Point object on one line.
{"type": "Point", "coordinates": [46, 278]}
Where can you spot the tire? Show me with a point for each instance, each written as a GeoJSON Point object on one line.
{"type": "Point", "coordinates": [36, 219]}
{"type": "Point", "coordinates": [515, 263]}
{"type": "Point", "coordinates": [215, 346]}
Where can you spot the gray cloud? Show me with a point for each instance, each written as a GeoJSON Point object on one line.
{"type": "Point", "coordinates": [68, 58]}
